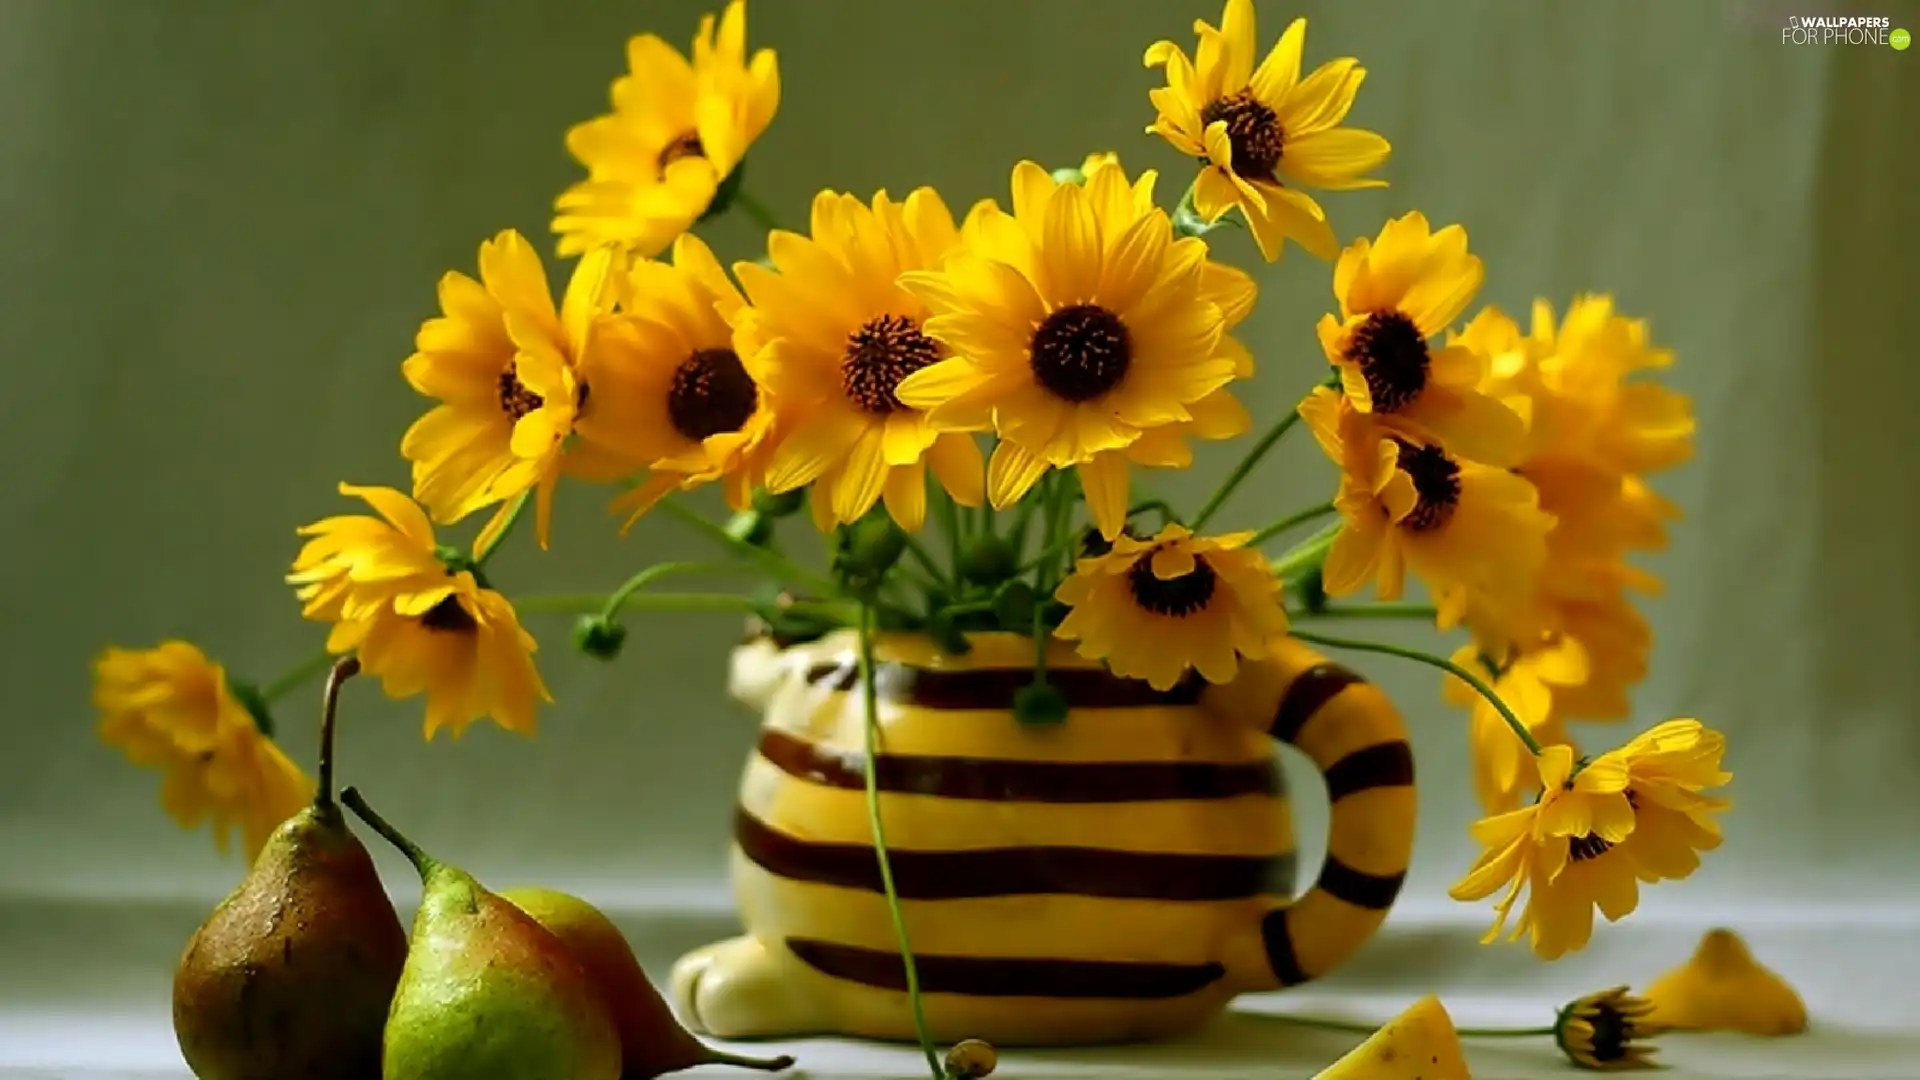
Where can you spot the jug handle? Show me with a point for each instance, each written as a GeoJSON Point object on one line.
{"type": "Point", "coordinates": [1355, 735]}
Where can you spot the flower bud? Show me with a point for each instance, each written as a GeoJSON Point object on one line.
{"type": "Point", "coordinates": [785, 504]}
{"type": "Point", "coordinates": [1040, 703]}
{"type": "Point", "coordinates": [987, 561]}
{"type": "Point", "coordinates": [599, 637]}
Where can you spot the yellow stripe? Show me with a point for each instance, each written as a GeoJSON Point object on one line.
{"type": "Point", "coordinates": [1357, 717]}
{"type": "Point", "coordinates": [1371, 831]}
{"type": "Point", "coordinates": [1246, 825]}
{"type": "Point", "coordinates": [1061, 927]}
{"type": "Point", "coordinates": [1147, 733]}
{"type": "Point", "coordinates": [1333, 927]}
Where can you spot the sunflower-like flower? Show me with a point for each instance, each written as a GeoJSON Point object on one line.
{"type": "Point", "coordinates": [677, 387]}
{"type": "Point", "coordinates": [172, 709]}
{"type": "Point", "coordinates": [1076, 323]}
{"type": "Point", "coordinates": [677, 131]}
{"type": "Point", "coordinates": [1411, 505]}
{"type": "Point", "coordinates": [1396, 293]}
{"type": "Point", "coordinates": [1527, 684]}
{"type": "Point", "coordinates": [1605, 1031]}
{"type": "Point", "coordinates": [1264, 132]}
{"type": "Point", "coordinates": [505, 366]}
{"type": "Point", "coordinates": [1153, 609]}
{"type": "Point", "coordinates": [1638, 813]}
{"type": "Point", "coordinates": [418, 624]}
{"type": "Point", "coordinates": [840, 336]}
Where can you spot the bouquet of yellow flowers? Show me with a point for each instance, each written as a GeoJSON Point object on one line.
{"type": "Point", "coordinates": [969, 406]}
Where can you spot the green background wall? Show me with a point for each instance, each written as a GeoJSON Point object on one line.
{"type": "Point", "coordinates": [220, 224]}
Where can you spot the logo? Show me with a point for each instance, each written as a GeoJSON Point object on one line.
{"type": "Point", "coordinates": [1842, 30]}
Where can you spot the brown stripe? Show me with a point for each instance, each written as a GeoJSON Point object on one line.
{"type": "Point", "coordinates": [1020, 781]}
{"type": "Point", "coordinates": [1019, 871]}
{"type": "Point", "coordinates": [992, 976]}
{"type": "Point", "coordinates": [994, 688]}
{"type": "Point", "coordinates": [1276, 933]}
{"type": "Point", "coordinates": [1382, 765]}
{"type": "Point", "coordinates": [1304, 696]}
{"type": "Point", "coordinates": [1374, 892]}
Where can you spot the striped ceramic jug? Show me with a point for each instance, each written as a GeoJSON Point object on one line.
{"type": "Point", "coordinates": [1118, 876]}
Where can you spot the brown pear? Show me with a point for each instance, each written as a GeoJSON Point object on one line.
{"type": "Point", "coordinates": [652, 1042]}
{"type": "Point", "coordinates": [291, 976]}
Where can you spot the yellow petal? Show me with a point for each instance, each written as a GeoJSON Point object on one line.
{"type": "Point", "coordinates": [1723, 988]}
{"type": "Point", "coordinates": [1104, 479]}
{"type": "Point", "coordinates": [1012, 473]}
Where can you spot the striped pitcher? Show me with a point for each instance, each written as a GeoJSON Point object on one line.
{"type": "Point", "coordinates": [1118, 876]}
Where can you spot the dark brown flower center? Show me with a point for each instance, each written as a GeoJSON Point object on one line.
{"type": "Point", "coordinates": [1436, 485]}
{"type": "Point", "coordinates": [1081, 352]}
{"type": "Point", "coordinates": [685, 146]}
{"type": "Point", "coordinates": [880, 354]}
{"type": "Point", "coordinates": [1178, 596]}
{"type": "Point", "coordinates": [1592, 845]}
{"type": "Point", "coordinates": [449, 616]}
{"type": "Point", "coordinates": [515, 399]}
{"type": "Point", "coordinates": [1253, 130]}
{"type": "Point", "coordinates": [1392, 356]}
{"type": "Point", "coordinates": [711, 393]}
{"type": "Point", "coordinates": [1612, 1033]}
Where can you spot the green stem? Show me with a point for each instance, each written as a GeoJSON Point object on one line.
{"type": "Point", "coordinates": [1240, 471]}
{"type": "Point", "coordinates": [619, 597]}
{"type": "Point", "coordinates": [481, 556]}
{"type": "Point", "coordinates": [872, 706]}
{"type": "Point", "coordinates": [596, 603]}
{"type": "Point", "coordinates": [1479, 686]}
{"type": "Point", "coordinates": [925, 559]}
{"type": "Point", "coordinates": [950, 524]}
{"type": "Point", "coordinates": [772, 561]}
{"type": "Point", "coordinates": [1307, 552]}
{"type": "Point", "coordinates": [1290, 522]}
{"type": "Point", "coordinates": [297, 675]}
{"type": "Point", "coordinates": [1168, 515]}
{"type": "Point", "coordinates": [1366, 1027]}
{"type": "Point", "coordinates": [423, 862]}
{"type": "Point", "coordinates": [755, 209]}
{"type": "Point", "coordinates": [1423, 612]}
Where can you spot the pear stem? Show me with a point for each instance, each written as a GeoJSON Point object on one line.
{"type": "Point", "coordinates": [421, 860]}
{"type": "Point", "coordinates": [347, 668]}
{"type": "Point", "coordinates": [741, 1061]}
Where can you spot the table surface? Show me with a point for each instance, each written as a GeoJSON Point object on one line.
{"type": "Point", "coordinates": [84, 991]}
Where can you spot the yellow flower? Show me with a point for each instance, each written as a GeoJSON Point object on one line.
{"type": "Point", "coordinates": [1156, 608]}
{"type": "Point", "coordinates": [1408, 505]}
{"type": "Point", "coordinates": [677, 386]}
{"type": "Point", "coordinates": [1723, 988]}
{"type": "Point", "coordinates": [505, 367]}
{"type": "Point", "coordinates": [1631, 815]}
{"type": "Point", "coordinates": [1591, 358]}
{"type": "Point", "coordinates": [1527, 685]}
{"type": "Point", "coordinates": [676, 131]}
{"type": "Point", "coordinates": [1152, 609]}
{"type": "Point", "coordinates": [1263, 133]}
{"type": "Point", "coordinates": [1605, 1031]}
{"type": "Point", "coordinates": [416, 623]}
{"type": "Point", "coordinates": [1395, 294]}
{"type": "Point", "coordinates": [840, 335]}
{"type": "Point", "coordinates": [172, 709]}
{"type": "Point", "coordinates": [1076, 323]}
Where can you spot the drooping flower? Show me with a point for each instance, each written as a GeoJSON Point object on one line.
{"type": "Point", "coordinates": [418, 624]}
{"type": "Point", "coordinates": [677, 131]}
{"type": "Point", "coordinates": [1155, 609]}
{"type": "Point", "coordinates": [172, 709]}
{"type": "Point", "coordinates": [1722, 987]}
{"type": "Point", "coordinates": [1263, 133]}
{"type": "Point", "coordinates": [505, 367]}
{"type": "Point", "coordinates": [1638, 813]}
{"type": "Point", "coordinates": [1409, 505]}
{"type": "Point", "coordinates": [1076, 323]}
{"type": "Point", "coordinates": [1396, 293]}
{"type": "Point", "coordinates": [1606, 1031]}
{"type": "Point", "coordinates": [840, 335]}
{"type": "Point", "coordinates": [678, 388]}
{"type": "Point", "coordinates": [1526, 684]}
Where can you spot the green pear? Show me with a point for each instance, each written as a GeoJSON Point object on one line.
{"type": "Point", "coordinates": [652, 1042]}
{"type": "Point", "coordinates": [291, 976]}
{"type": "Point", "coordinates": [487, 991]}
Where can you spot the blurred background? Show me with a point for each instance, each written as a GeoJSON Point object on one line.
{"type": "Point", "coordinates": [222, 222]}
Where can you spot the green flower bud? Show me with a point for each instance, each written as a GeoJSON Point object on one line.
{"type": "Point", "coordinates": [987, 561]}
{"type": "Point", "coordinates": [1040, 703]}
{"type": "Point", "coordinates": [1013, 606]}
{"type": "Point", "coordinates": [867, 549]}
{"type": "Point", "coordinates": [751, 527]}
{"type": "Point", "coordinates": [598, 637]}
